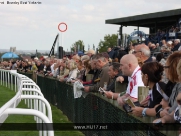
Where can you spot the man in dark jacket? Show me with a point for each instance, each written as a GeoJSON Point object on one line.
{"type": "Point", "coordinates": [122, 52]}
{"type": "Point", "coordinates": [116, 52]}
{"type": "Point", "coordinates": [110, 52]}
{"type": "Point", "coordinates": [103, 65]}
{"type": "Point", "coordinates": [142, 52]}
{"type": "Point", "coordinates": [176, 45]}
{"type": "Point", "coordinates": [114, 72]}
{"type": "Point", "coordinates": [40, 66]}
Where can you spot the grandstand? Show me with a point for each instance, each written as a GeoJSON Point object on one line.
{"type": "Point", "coordinates": [159, 24]}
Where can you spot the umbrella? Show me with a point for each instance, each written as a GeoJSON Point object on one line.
{"type": "Point", "coordinates": [9, 55]}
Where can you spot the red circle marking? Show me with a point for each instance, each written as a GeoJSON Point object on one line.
{"type": "Point", "coordinates": [65, 27]}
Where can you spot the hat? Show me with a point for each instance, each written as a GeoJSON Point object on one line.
{"type": "Point", "coordinates": [90, 51]}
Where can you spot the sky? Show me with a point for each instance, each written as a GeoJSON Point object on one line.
{"type": "Point", "coordinates": [35, 26]}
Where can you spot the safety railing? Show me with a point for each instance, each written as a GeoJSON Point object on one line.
{"type": "Point", "coordinates": [26, 89]}
{"type": "Point", "coordinates": [96, 108]}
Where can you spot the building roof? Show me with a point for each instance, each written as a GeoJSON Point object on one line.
{"type": "Point", "coordinates": [163, 19]}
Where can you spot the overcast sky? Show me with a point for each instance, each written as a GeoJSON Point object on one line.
{"type": "Point", "coordinates": [31, 27]}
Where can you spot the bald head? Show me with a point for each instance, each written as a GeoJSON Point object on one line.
{"type": "Point", "coordinates": [130, 59]}
{"type": "Point", "coordinates": [128, 64]}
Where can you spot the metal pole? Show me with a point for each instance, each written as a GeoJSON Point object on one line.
{"type": "Point", "coordinates": [58, 48]}
{"type": "Point", "coordinates": [120, 33]}
{"type": "Point", "coordinates": [138, 33]}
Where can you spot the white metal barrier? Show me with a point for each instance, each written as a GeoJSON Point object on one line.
{"type": "Point", "coordinates": [26, 89]}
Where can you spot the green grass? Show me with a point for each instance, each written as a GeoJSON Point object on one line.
{"type": "Point", "coordinates": [58, 117]}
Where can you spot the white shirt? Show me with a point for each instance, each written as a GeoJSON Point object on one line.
{"type": "Point", "coordinates": [55, 72]}
{"type": "Point", "coordinates": [72, 74]}
{"type": "Point", "coordinates": [134, 81]}
{"type": "Point", "coordinates": [52, 68]}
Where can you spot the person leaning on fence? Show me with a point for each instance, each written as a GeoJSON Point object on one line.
{"type": "Point", "coordinates": [80, 72]}
{"type": "Point", "coordinates": [87, 70]}
{"type": "Point", "coordinates": [63, 71]}
{"type": "Point", "coordinates": [129, 67]}
{"type": "Point", "coordinates": [53, 63]}
{"type": "Point", "coordinates": [103, 78]}
{"type": "Point", "coordinates": [56, 68]}
{"type": "Point", "coordinates": [96, 71]}
{"type": "Point", "coordinates": [174, 116]}
{"type": "Point", "coordinates": [47, 69]}
{"type": "Point", "coordinates": [114, 72]}
{"type": "Point", "coordinates": [14, 65]}
{"type": "Point", "coordinates": [173, 86]}
{"type": "Point", "coordinates": [40, 66]}
{"type": "Point", "coordinates": [72, 66]}
{"type": "Point", "coordinates": [25, 66]}
{"type": "Point", "coordinates": [19, 65]}
{"type": "Point", "coordinates": [34, 68]}
{"type": "Point", "coordinates": [151, 76]}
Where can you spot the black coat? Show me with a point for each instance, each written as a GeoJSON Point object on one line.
{"type": "Point", "coordinates": [175, 48]}
{"type": "Point", "coordinates": [111, 86]}
{"type": "Point", "coordinates": [157, 97]}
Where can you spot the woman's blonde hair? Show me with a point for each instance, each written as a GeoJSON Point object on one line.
{"type": "Point", "coordinates": [73, 65]}
{"type": "Point", "coordinates": [172, 62]}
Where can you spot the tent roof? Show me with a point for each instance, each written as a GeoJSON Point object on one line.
{"type": "Point", "coordinates": [9, 55]}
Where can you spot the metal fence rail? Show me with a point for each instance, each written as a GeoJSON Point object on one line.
{"type": "Point", "coordinates": [27, 89]}
{"type": "Point", "coordinates": [95, 108]}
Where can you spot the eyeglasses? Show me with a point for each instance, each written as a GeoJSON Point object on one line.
{"type": "Point", "coordinates": [134, 52]}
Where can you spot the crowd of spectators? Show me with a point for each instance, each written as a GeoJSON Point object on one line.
{"type": "Point", "coordinates": [134, 67]}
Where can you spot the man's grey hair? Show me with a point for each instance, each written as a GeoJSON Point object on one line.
{"type": "Point", "coordinates": [178, 40]}
{"type": "Point", "coordinates": [146, 52]}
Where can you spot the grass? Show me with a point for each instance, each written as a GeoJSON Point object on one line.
{"type": "Point", "coordinates": [58, 117]}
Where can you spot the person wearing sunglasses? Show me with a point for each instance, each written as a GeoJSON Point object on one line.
{"type": "Point", "coordinates": [142, 52]}
{"type": "Point", "coordinates": [151, 76]}
{"type": "Point", "coordinates": [173, 86]}
{"type": "Point", "coordinates": [174, 116]}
